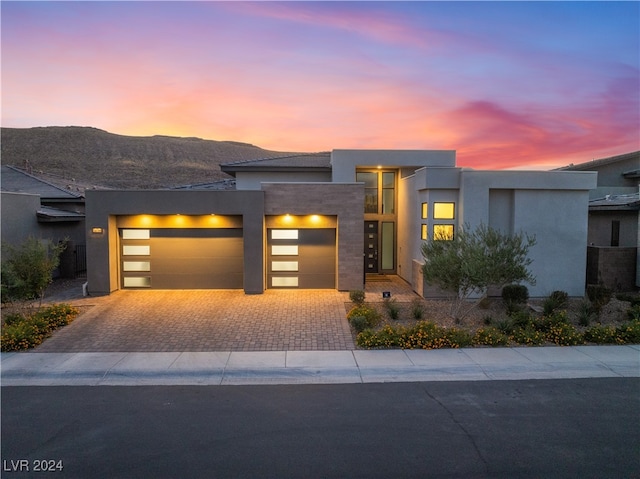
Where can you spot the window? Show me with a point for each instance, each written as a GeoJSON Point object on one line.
{"type": "Point", "coordinates": [615, 233]}
{"type": "Point", "coordinates": [370, 181]}
{"type": "Point", "coordinates": [289, 281]}
{"type": "Point", "coordinates": [425, 211]}
{"type": "Point", "coordinates": [284, 234]}
{"type": "Point", "coordinates": [284, 266]}
{"type": "Point", "coordinates": [135, 234]}
{"type": "Point", "coordinates": [136, 266]}
{"type": "Point", "coordinates": [130, 250]}
{"type": "Point", "coordinates": [444, 211]}
{"type": "Point", "coordinates": [284, 250]}
{"type": "Point", "coordinates": [442, 232]}
{"type": "Point", "coordinates": [424, 232]}
{"type": "Point", "coordinates": [388, 192]}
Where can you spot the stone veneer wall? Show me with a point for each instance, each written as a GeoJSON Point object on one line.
{"type": "Point", "coordinates": [613, 267]}
{"type": "Point", "coordinates": [344, 200]}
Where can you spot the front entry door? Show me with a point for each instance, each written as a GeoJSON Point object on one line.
{"type": "Point", "coordinates": [370, 247]}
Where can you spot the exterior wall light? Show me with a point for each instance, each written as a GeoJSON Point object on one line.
{"type": "Point", "coordinates": [97, 230]}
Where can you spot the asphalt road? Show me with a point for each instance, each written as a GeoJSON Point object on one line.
{"type": "Point", "coordinates": [586, 428]}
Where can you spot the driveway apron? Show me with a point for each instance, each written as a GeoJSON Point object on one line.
{"type": "Point", "coordinates": [207, 320]}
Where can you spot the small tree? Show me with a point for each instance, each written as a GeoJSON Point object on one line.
{"type": "Point", "coordinates": [475, 260]}
{"type": "Point", "coordinates": [27, 269]}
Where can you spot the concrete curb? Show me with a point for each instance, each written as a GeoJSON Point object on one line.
{"type": "Point", "coordinates": [317, 367]}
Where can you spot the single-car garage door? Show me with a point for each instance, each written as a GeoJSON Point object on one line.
{"type": "Point", "coordinates": [166, 258]}
{"type": "Point", "coordinates": [301, 258]}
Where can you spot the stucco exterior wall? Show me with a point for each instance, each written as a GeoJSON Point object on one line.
{"type": "Point", "coordinates": [600, 228]}
{"type": "Point", "coordinates": [250, 180]}
{"type": "Point", "coordinates": [335, 199]}
{"type": "Point", "coordinates": [345, 162]}
{"type": "Point", "coordinates": [103, 208]}
{"type": "Point", "coordinates": [19, 219]}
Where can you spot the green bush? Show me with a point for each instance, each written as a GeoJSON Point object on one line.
{"type": "Point", "coordinates": [392, 308]}
{"type": "Point", "coordinates": [13, 318]}
{"type": "Point", "coordinates": [546, 323]}
{"type": "Point", "coordinates": [387, 337]}
{"type": "Point", "coordinates": [424, 335]}
{"type": "Point", "coordinates": [585, 313]}
{"type": "Point", "coordinates": [366, 311]}
{"type": "Point", "coordinates": [564, 334]}
{"type": "Point", "coordinates": [556, 301]}
{"type": "Point", "coordinates": [458, 338]}
{"type": "Point", "coordinates": [505, 326]}
{"type": "Point", "coordinates": [515, 294]}
{"type": "Point", "coordinates": [528, 336]}
{"type": "Point", "coordinates": [633, 313]}
{"type": "Point", "coordinates": [600, 334]}
{"type": "Point", "coordinates": [25, 332]}
{"type": "Point", "coordinates": [417, 309]}
{"type": "Point", "coordinates": [598, 295]}
{"type": "Point", "coordinates": [630, 332]}
{"type": "Point", "coordinates": [359, 323]}
{"type": "Point", "coordinates": [356, 296]}
{"type": "Point", "coordinates": [490, 337]}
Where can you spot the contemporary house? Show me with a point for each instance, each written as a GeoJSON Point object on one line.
{"type": "Point", "coordinates": [613, 257]}
{"type": "Point", "coordinates": [36, 208]}
{"type": "Point", "coordinates": [329, 220]}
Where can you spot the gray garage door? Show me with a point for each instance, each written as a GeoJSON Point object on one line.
{"type": "Point", "coordinates": [181, 258]}
{"type": "Point", "coordinates": [301, 258]}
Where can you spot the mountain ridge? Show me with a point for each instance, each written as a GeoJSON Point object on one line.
{"type": "Point", "coordinates": [88, 157]}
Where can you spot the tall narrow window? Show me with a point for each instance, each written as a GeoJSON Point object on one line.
{"type": "Point", "coordinates": [424, 232]}
{"type": "Point", "coordinates": [388, 245]}
{"type": "Point", "coordinates": [388, 192]}
{"type": "Point", "coordinates": [425, 211]}
{"type": "Point", "coordinates": [615, 233]}
{"type": "Point", "coordinates": [370, 180]}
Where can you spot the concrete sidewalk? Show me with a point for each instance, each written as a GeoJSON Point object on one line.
{"type": "Point", "coordinates": [317, 367]}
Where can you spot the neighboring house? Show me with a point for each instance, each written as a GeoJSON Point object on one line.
{"type": "Point", "coordinates": [614, 222]}
{"type": "Point", "coordinates": [329, 220]}
{"type": "Point", "coordinates": [33, 207]}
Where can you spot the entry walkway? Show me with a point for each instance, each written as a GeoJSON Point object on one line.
{"type": "Point", "coordinates": [318, 367]}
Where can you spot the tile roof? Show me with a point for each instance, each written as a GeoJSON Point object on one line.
{"type": "Point", "coordinates": [303, 161]}
{"type": "Point", "coordinates": [588, 165]}
{"type": "Point", "coordinates": [15, 180]}
{"type": "Point", "coordinates": [616, 202]}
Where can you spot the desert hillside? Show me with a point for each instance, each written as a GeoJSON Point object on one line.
{"type": "Point", "coordinates": [88, 157]}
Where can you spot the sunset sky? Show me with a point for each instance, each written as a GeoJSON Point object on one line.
{"type": "Point", "coordinates": [506, 84]}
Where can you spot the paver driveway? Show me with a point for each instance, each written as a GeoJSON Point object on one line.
{"type": "Point", "coordinates": [213, 320]}
{"type": "Point", "coordinates": [208, 320]}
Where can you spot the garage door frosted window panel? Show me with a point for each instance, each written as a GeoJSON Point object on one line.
{"type": "Point", "coordinates": [137, 282]}
{"type": "Point", "coordinates": [135, 250]}
{"type": "Point", "coordinates": [284, 250]}
{"type": "Point", "coordinates": [284, 266]}
{"type": "Point", "coordinates": [284, 234]}
{"type": "Point", "coordinates": [135, 234]}
{"type": "Point", "coordinates": [136, 266]}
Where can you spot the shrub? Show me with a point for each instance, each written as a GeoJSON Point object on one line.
{"type": "Point", "coordinates": [425, 335]}
{"type": "Point", "coordinates": [600, 334]}
{"type": "Point", "coordinates": [356, 296]}
{"type": "Point", "coordinates": [556, 301]}
{"type": "Point", "coordinates": [25, 332]}
{"type": "Point", "coordinates": [392, 307]}
{"type": "Point", "coordinates": [515, 294]}
{"type": "Point", "coordinates": [564, 334]}
{"type": "Point", "coordinates": [490, 337]}
{"type": "Point", "coordinates": [13, 318]}
{"type": "Point", "coordinates": [458, 338]}
{"type": "Point", "coordinates": [546, 323]}
{"type": "Point", "coordinates": [528, 336]}
{"type": "Point", "coordinates": [365, 311]}
{"type": "Point", "coordinates": [585, 313]}
{"type": "Point", "coordinates": [630, 332]}
{"type": "Point", "coordinates": [598, 295]}
{"type": "Point", "coordinates": [387, 337]}
{"type": "Point", "coordinates": [417, 309]}
{"type": "Point", "coordinates": [521, 319]}
{"type": "Point", "coordinates": [505, 326]}
{"type": "Point", "coordinates": [633, 313]}
{"type": "Point", "coordinates": [359, 323]}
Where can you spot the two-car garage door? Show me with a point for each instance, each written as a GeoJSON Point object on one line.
{"type": "Point", "coordinates": [213, 258]}
{"type": "Point", "coordinates": [167, 258]}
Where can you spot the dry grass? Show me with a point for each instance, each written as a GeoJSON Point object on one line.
{"type": "Point", "coordinates": [88, 157]}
